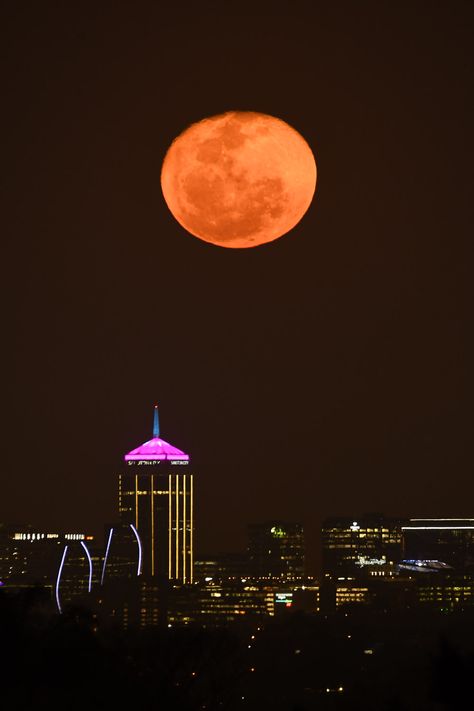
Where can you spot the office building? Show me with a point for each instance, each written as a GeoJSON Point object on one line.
{"type": "Point", "coordinates": [33, 556]}
{"type": "Point", "coordinates": [350, 594]}
{"type": "Point", "coordinates": [131, 602]}
{"type": "Point", "coordinates": [63, 563]}
{"type": "Point", "coordinates": [156, 501]}
{"type": "Point", "coordinates": [352, 546]}
{"type": "Point", "coordinates": [447, 540]}
{"type": "Point", "coordinates": [221, 566]}
{"type": "Point", "coordinates": [276, 549]}
{"type": "Point", "coordinates": [446, 592]}
{"type": "Point", "coordinates": [222, 602]}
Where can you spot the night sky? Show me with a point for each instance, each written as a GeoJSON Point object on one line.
{"type": "Point", "coordinates": [324, 373]}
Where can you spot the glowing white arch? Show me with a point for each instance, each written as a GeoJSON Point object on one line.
{"type": "Point", "coordinates": [90, 564]}
{"type": "Point", "coordinates": [106, 556]}
{"type": "Point", "coordinates": [139, 570]}
{"type": "Point", "coordinates": [58, 579]}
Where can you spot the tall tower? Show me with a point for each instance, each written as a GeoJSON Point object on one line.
{"type": "Point", "coordinates": [156, 497]}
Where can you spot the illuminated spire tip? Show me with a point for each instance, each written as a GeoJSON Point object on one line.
{"type": "Point", "coordinates": [156, 423]}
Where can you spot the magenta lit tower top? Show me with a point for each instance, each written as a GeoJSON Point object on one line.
{"type": "Point", "coordinates": [156, 449]}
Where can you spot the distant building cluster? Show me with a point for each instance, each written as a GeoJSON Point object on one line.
{"type": "Point", "coordinates": [398, 563]}
{"type": "Point", "coordinates": [148, 574]}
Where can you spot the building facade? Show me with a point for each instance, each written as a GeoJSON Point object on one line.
{"type": "Point", "coordinates": [446, 592]}
{"type": "Point", "coordinates": [276, 549]}
{"type": "Point", "coordinates": [62, 563]}
{"type": "Point", "coordinates": [221, 602]}
{"type": "Point", "coordinates": [33, 556]}
{"type": "Point", "coordinates": [447, 540]}
{"type": "Point", "coordinates": [156, 498]}
{"type": "Point", "coordinates": [222, 566]}
{"type": "Point", "coordinates": [349, 546]}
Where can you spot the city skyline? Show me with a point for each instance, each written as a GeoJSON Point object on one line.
{"type": "Point", "coordinates": [323, 373]}
{"type": "Point", "coordinates": [149, 461]}
{"type": "Point", "coordinates": [237, 462]}
{"type": "Point", "coordinates": [155, 518]}
{"type": "Point", "coordinates": [372, 561]}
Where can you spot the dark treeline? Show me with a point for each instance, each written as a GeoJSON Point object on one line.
{"type": "Point", "coordinates": [357, 659]}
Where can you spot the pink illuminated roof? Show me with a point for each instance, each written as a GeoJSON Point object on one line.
{"type": "Point", "coordinates": [156, 448]}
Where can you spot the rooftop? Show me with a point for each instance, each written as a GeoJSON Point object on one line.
{"type": "Point", "coordinates": [156, 448]}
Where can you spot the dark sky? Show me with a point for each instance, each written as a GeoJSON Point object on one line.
{"type": "Point", "coordinates": [324, 373]}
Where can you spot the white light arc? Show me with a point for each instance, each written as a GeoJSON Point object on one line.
{"type": "Point", "coordinates": [90, 564]}
{"type": "Point", "coordinates": [58, 579]}
{"type": "Point", "coordinates": [139, 570]}
{"type": "Point", "coordinates": [106, 556]}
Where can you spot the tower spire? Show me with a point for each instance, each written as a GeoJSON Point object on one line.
{"type": "Point", "coordinates": [156, 423]}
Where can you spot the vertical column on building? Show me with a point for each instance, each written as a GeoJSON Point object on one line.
{"type": "Point", "coordinates": [152, 523]}
{"type": "Point", "coordinates": [180, 527]}
{"type": "Point", "coordinates": [191, 530]}
{"type": "Point", "coordinates": [176, 540]}
{"type": "Point", "coordinates": [170, 525]}
{"type": "Point", "coordinates": [136, 503]}
{"type": "Point", "coordinates": [184, 553]}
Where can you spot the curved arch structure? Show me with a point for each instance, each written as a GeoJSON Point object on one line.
{"type": "Point", "coordinates": [74, 556]}
{"type": "Point", "coordinates": [140, 557]}
{"type": "Point", "coordinates": [111, 533]}
{"type": "Point", "coordinates": [89, 586]}
{"type": "Point", "coordinates": [58, 579]}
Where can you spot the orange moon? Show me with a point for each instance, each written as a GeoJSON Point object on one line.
{"type": "Point", "coordinates": [239, 179]}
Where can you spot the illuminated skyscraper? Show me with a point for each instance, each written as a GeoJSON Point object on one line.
{"type": "Point", "coordinates": [156, 499]}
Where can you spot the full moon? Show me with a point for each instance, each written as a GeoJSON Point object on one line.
{"type": "Point", "coordinates": [239, 179]}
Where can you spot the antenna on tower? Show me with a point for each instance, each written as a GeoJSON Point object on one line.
{"type": "Point", "coordinates": [156, 423]}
